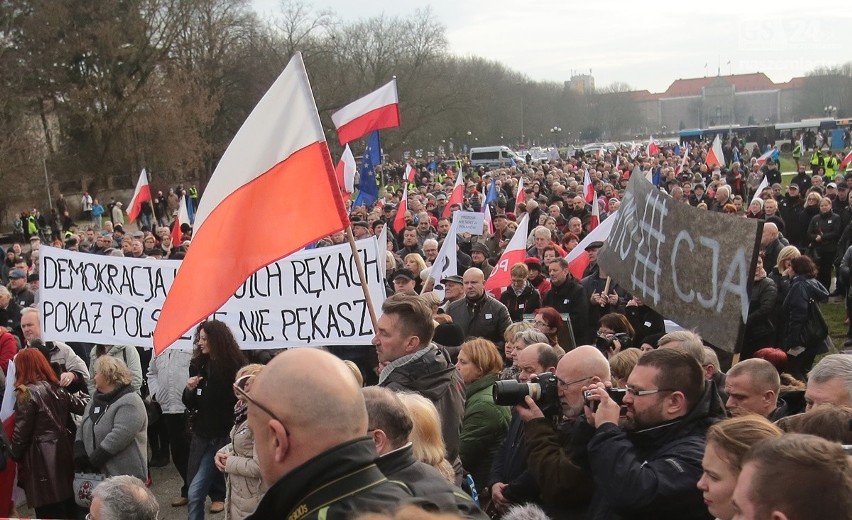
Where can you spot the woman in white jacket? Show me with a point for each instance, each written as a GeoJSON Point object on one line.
{"type": "Point", "coordinates": [166, 379]}
{"type": "Point", "coordinates": [238, 459]}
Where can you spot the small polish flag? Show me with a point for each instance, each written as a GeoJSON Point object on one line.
{"type": "Point", "coordinates": [596, 215]}
{"type": "Point", "coordinates": [515, 253]}
{"type": "Point", "coordinates": [760, 187]}
{"type": "Point", "coordinates": [457, 196]}
{"type": "Point", "coordinates": [845, 162]}
{"type": "Point", "coordinates": [375, 111]}
{"type": "Point", "coordinates": [521, 196]}
{"type": "Point", "coordinates": [486, 210]}
{"type": "Point", "coordinates": [765, 157]}
{"type": "Point", "coordinates": [715, 156]}
{"type": "Point", "coordinates": [683, 159]}
{"type": "Point", "coordinates": [182, 218]}
{"type": "Point", "coordinates": [141, 194]}
{"type": "Point", "coordinates": [578, 258]}
{"type": "Point", "coordinates": [345, 171]}
{"type": "Point", "coordinates": [653, 149]}
{"type": "Point", "coordinates": [617, 161]}
{"type": "Point", "coordinates": [410, 172]}
{"type": "Point", "coordinates": [399, 219]}
{"type": "Point", "coordinates": [588, 188]}
{"type": "Point", "coordinates": [279, 148]}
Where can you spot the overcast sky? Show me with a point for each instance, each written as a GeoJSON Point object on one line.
{"type": "Point", "coordinates": [644, 44]}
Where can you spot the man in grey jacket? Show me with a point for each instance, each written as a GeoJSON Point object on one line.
{"type": "Point", "coordinates": [478, 313]}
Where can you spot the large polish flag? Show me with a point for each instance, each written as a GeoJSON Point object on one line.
{"type": "Point", "coordinates": [765, 157]}
{"type": "Point", "coordinates": [279, 149]}
{"type": "Point", "coordinates": [715, 157]}
{"type": "Point", "coordinates": [588, 188]}
{"type": "Point", "coordinates": [578, 258]}
{"type": "Point", "coordinates": [375, 111]}
{"type": "Point", "coordinates": [141, 194]}
{"type": "Point", "coordinates": [182, 218]}
{"type": "Point", "coordinates": [399, 219]}
{"type": "Point", "coordinates": [760, 187]}
{"type": "Point", "coordinates": [345, 171]}
{"type": "Point", "coordinates": [457, 196]}
{"type": "Point", "coordinates": [516, 252]}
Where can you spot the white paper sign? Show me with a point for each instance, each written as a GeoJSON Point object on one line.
{"type": "Point", "coordinates": [469, 222]}
{"type": "Point", "coordinates": [311, 298]}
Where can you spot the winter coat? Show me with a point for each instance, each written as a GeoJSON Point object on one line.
{"type": "Point", "coordinates": [63, 359]}
{"type": "Point", "coordinates": [795, 309]}
{"type": "Point", "coordinates": [483, 318]}
{"type": "Point", "coordinates": [167, 375]}
{"type": "Point", "coordinates": [519, 304]}
{"type": "Point", "coordinates": [114, 433]}
{"type": "Point", "coordinates": [652, 473]}
{"type": "Point", "coordinates": [129, 355]}
{"type": "Point", "coordinates": [483, 428]}
{"type": "Point", "coordinates": [347, 479]}
{"type": "Point", "coordinates": [510, 466]}
{"type": "Point", "coordinates": [214, 394]}
{"type": "Point", "coordinates": [424, 481]}
{"type": "Point", "coordinates": [827, 227]}
{"type": "Point", "coordinates": [435, 378]}
{"type": "Point", "coordinates": [760, 324]}
{"type": "Point", "coordinates": [245, 486]}
{"type": "Point", "coordinates": [570, 298]}
{"type": "Point", "coordinates": [42, 444]}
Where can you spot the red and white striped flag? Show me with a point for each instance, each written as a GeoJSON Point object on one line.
{"type": "Point", "coordinates": [596, 215]}
{"type": "Point", "coordinates": [181, 218]}
{"type": "Point", "coordinates": [457, 196]}
{"type": "Point", "coordinates": [588, 188]}
{"type": "Point", "coordinates": [521, 196]}
{"type": "Point", "coordinates": [141, 194]}
{"type": "Point", "coordinates": [765, 157]}
{"type": "Point", "coordinates": [515, 253]}
{"type": "Point", "coordinates": [399, 219]}
{"type": "Point", "coordinates": [486, 210]}
{"type": "Point", "coordinates": [578, 258]}
{"type": "Point", "coordinates": [715, 156]}
{"type": "Point", "coordinates": [375, 111]}
{"type": "Point", "coordinates": [653, 148]}
{"type": "Point", "coordinates": [280, 148]}
{"type": "Point", "coordinates": [845, 162]}
{"type": "Point", "coordinates": [410, 172]}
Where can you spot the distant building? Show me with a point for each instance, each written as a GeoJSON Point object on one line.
{"type": "Point", "coordinates": [583, 84]}
{"type": "Point", "coordinates": [739, 99]}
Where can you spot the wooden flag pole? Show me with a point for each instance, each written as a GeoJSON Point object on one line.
{"type": "Point", "coordinates": [362, 276]}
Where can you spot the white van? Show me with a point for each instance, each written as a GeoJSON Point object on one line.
{"type": "Point", "coordinates": [494, 156]}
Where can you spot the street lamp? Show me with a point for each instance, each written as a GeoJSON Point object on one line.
{"type": "Point", "coordinates": [830, 110]}
{"type": "Point", "coordinates": [555, 133]}
{"type": "Point", "coordinates": [469, 133]}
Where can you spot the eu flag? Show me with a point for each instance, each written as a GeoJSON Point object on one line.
{"type": "Point", "coordinates": [368, 190]}
{"type": "Point", "coordinates": [491, 196]}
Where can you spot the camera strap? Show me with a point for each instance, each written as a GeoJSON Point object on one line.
{"type": "Point", "coordinates": [322, 498]}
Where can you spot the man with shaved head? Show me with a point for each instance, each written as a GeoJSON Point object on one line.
{"type": "Point", "coordinates": [566, 484]}
{"type": "Point", "coordinates": [309, 422]}
{"type": "Point", "coordinates": [479, 314]}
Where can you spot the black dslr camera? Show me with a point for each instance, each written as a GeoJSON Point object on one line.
{"type": "Point", "coordinates": [543, 391]}
{"type": "Point", "coordinates": [604, 343]}
{"type": "Point", "coordinates": [616, 394]}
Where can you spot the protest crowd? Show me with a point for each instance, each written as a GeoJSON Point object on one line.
{"type": "Point", "coordinates": [558, 395]}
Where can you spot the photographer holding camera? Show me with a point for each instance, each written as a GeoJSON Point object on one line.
{"type": "Point", "coordinates": [649, 467]}
{"type": "Point", "coordinates": [556, 458]}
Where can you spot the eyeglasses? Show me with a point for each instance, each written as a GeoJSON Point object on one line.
{"type": "Point", "coordinates": [639, 393]}
{"type": "Point", "coordinates": [564, 384]}
{"type": "Point", "coordinates": [244, 395]}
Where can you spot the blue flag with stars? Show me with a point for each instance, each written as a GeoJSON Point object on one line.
{"type": "Point", "coordinates": [368, 190]}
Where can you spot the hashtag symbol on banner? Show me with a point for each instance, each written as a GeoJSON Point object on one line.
{"type": "Point", "coordinates": [647, 257]}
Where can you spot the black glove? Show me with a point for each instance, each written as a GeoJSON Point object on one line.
{"type": "Point", "coordinates": [81, 462]}
{"type": "Point", "coordinates": [99, 458]}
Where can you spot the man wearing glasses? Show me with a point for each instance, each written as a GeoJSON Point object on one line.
{"type": "Point", "coordinates": [552, 459]}
{"type": "Point", "coordinates": [309, 422]}
{"type": "Point", "coordinates": [651, 464]}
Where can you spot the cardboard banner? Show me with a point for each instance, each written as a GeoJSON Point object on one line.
{"type": "Point", "coordinates": [693, 266]}
{"type": "Point", "coordinates": [311, 298]}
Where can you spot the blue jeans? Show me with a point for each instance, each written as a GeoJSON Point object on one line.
{"type": "Point", "coordinates": [205, 474]}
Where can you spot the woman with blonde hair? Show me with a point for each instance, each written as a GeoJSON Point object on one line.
{"type": "Point", "coordinates": [727, 443]}
{"type": "Point", "coordinates": [416, 264]}
{"type": "Point", "coordinates": [237, 459]}
{"type": "Point", "coordinates": [426, 437]}
{"type": "Point", "coordinates": [621, 364]}
{"type": "Point", "coordinates": [511, 371]}
{"type": "Point", "coordinates": [485, 424]}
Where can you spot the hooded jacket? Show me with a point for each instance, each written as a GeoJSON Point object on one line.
{"type": "Point", "coordinates": [652, 473]}
{"type": "Point", "coordinates": [433, 376]}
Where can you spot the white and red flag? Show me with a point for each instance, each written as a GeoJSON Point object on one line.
{"type": "Point", "coordinates": [653, 148]}
{"type": "Point", "coordinates": [765, 157]}
{"type": "Point", "coordinates": [410, 172]}
{"type": "Point", "coordinates": [845, 162]}
{"type": "Point", "coordinates": [578, 258]}
{"type": "Point", "coordinates": [486, 211]}
{"type": "Point", "coordinates": [596, 215]}
{"type": "Point", "coordinates": [588, 188]}
{"type": "Point", "coordinates": [345, 171]}
{"type": "Point", "coordinates": [279, 149]}
{"type": "Point", "coordinates": [141, 194]}
{"type": "Point", "coordinates": [181, 218]}
{"type": "Point", "coordinates": [399, 219]}
{"type": "Point", "coordinates": [521, 196]}
{"type": "Point", "coordinates": [715, 156]}
{"type": "Point", "coordinates": [516, 252]}
{"type": "Point", "coordinates": [375, 111]}
{"type": "Point", "coordinates": [457, 196]}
